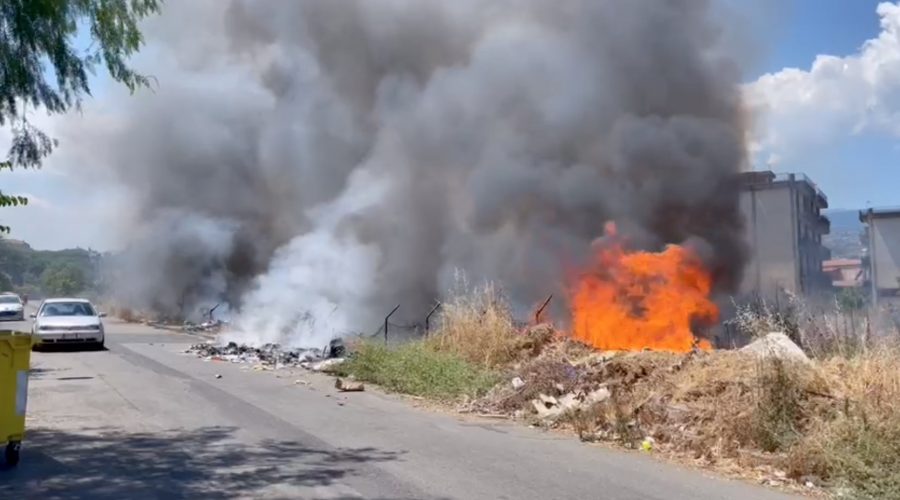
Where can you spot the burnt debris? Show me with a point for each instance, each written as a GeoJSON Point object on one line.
{"type": "Point", "coordinates": [271, 355]}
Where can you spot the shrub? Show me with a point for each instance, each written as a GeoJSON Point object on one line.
{"type": "Point", "coordinates": [778, 405]}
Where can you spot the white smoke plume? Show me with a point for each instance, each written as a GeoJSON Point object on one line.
{"type": "Point", "coordinates": [316, 162]}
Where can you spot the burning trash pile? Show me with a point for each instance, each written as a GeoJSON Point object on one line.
{"type": "Point", "coordinates": [272, 356]}
{"type": "Point", "coordinates": [633, 300]}
{"type": "Point", "coordinates": [634, 367]}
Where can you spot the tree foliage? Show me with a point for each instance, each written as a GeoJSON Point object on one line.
{"type": "Point", "coordinates": [851, 299]}
{"type": "Point", "coordinates": [42, 68]}
{"type": "Point", "coordinates": [63, 279]}
{"type": "Point", "coordinates": [26, 267]}
{"type": "Point", "coordinates": [5, 283]}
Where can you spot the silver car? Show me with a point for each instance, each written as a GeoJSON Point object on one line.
{"type": "Point", "coordinates": [69, 321]}
{"type": "Point", "coordinates": [11, 307]}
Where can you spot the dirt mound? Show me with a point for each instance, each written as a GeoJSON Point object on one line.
{"type": "Point", "coordinates": [702, 405]}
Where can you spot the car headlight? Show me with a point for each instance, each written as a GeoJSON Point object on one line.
{"type": "Point", "coordinates": [93, 327]}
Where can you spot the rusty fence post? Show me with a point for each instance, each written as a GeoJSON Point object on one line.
{"type": "Point", "coordinates": [428, 318]}
{"type": "Point", "coordinates": [386, 318]}
{"type": "Point", "coordinates": [537, 315]}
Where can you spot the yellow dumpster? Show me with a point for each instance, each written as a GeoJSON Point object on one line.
{"type": "Point", "coordinates": [15, 357]}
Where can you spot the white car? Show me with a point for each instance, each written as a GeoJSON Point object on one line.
{"type": "Point", "coordinates": [69, 321]}
{"type": "Point", "coordinates": [11, 307]}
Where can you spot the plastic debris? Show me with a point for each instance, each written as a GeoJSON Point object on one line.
{"type": "Point", "coordinates": [348, 386]}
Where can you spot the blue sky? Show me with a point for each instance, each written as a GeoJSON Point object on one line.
{"type": "Point", "coordinates": [813, 27]}
{"type": "Point", "coordinates": [855, 170]}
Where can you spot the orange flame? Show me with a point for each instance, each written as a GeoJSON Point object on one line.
{"type": "Point", "coordinates": [642, 300]}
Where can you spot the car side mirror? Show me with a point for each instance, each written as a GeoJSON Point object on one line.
{"type": "Point", "coordinates": [102, 315]}
{"type": "Point", "coordinates": [32, 315]}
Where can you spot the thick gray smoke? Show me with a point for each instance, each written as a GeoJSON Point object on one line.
{"type": "Point", "coordinates": [317, 162]}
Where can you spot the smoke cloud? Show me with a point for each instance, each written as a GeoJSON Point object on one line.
{"type": "Point", "coordinates": [317, 162]}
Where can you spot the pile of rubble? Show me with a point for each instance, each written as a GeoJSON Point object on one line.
{"type": "Point", "coordinates": [684, 402]}
{"type": "Point", "coordinates": [272, 355]}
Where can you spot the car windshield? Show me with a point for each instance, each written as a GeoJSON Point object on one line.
{"type": "Point", "coordinates": [67, 309]}
{"type": "Point", "coordinates": [9, 299]}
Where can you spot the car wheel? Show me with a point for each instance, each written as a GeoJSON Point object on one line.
{"type": "Point", "coordinates": [12, 453]}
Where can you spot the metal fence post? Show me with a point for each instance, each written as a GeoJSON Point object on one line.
{"type": "Point", "coordinates": [537, 315]}
{"type": "Point", "coordinates": [428, 318]}
{"type": "Point", "coordinates": [386, 318]}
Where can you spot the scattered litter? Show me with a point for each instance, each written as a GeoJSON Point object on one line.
{"type": "Point", "coordinates": [324, 365]}
{"type": "Point", "coordinates": [647, 444]}
{"type": "Point", "coordinates": [335, 349]}
{"type": "Point", "coordinates": [551, 408]}
{"type": "Point", "coordinates": [598, 396]}
{"type": "Point", "coordinates": [518, 383]}
{"type": "Point", "coordinates": [547, 407]}
{"type": "Point", "coordinates": [269, 356]}
{"type": "Point", "coordinates": [218, 375]}
{"type": "Point", "coordinates": [348, 386]}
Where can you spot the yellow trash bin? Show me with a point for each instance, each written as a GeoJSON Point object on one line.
{"type": "Point", "coordinates": [15, 359]}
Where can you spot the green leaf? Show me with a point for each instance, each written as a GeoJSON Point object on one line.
{"type": "Point", "coordinates": [35, 33]}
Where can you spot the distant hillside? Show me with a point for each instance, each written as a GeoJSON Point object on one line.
{"type": "Point", "coordinates": [36, 272]}
{"type": "Point", "coordinates": [844, 239]}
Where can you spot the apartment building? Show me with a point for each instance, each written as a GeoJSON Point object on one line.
{"type": "Point", "coordinates": [784, 228]}
{"type": "Point", "coordinates": [881, 261]}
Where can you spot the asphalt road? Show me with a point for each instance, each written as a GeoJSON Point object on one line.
{"type": "Point", "coordinates": [145, 420]}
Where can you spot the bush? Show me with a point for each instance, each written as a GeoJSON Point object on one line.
{"type": "Point", "coordinates": [778, 407]}
{"type": "Point", "coordinates": [418, 369]}
{"type": "Point", "coordinates": [63, 279]}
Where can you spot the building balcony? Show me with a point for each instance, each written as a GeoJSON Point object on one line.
{"type": "Point", "coordinates": [823, 225]}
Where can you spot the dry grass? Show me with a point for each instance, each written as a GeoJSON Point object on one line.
{"type": "Point", "coordinates": [478, 326]}
{"type": "Point", "coordinates": [686, 403]}
{"type": "Point", "coordinates": [823, 330]}
{"type": "Point", "coordinates": [126, 314]}
{"type": "Point", "coordinates": [855, 443]}
{"type": "Point", "coordinates": [723, 409]}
